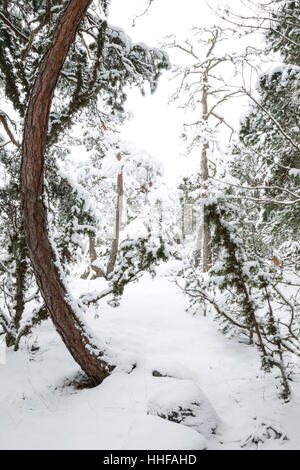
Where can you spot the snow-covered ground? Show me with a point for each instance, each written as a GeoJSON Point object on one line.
{"type": "Point", "coordinates": [219, 378]}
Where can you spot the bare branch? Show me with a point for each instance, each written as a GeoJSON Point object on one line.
{"type": "Point", "coordinates": [264, 188]}
{"type": "Point", "coordinates": [4, 118]}
{"type": "Point", "coordinates": [143, 13]}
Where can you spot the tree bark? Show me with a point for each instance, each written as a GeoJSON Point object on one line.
{"type": "Point", "coordinates": [41, 254]}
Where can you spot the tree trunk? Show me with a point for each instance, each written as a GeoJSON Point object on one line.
{"type": "Point", "coordinates": [119, 210]}
{"type": "Point", "coordinates": [199, 236]}
{"type": "Point", "coordinates": [20, 273]}
{"type": "Point", "coordinates": [17, 292]}
{"type": "Point", "coordinates": [93, 257]}
{"type": "Point", "coordinates": [206, 250]}
{"type": "Point", "coordinates": [41, 254]}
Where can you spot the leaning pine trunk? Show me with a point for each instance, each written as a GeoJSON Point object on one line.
{"type": "Point", "coordinates": [32, 174]}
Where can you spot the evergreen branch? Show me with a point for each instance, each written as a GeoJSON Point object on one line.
{"type": "Point", "coordinates": [37, 318]}
{"type": "Point", "coordinates": [26, 39]}
{"type": "Point", "coordinates": [273, 19]}
{"type": "Point", "coordinates": [264, 28]}
{"type": "Point", "coordinates": [17, 32]}
{"type": "Point", "coordinates": [287, 302]}
{"type": "Point", "coordinates": [87, 300]}
{"type": "Point", "coordinates": [266, 201]}
{"type": "Point", "coordinates": [80, 98]}
{"type": "Point", "coordinates": [5, 319]}
{"type": "Point", "coordinates": [219, 310]}
{"type": "Point", "coordinates": [253, 188]}
{"type": "Point", "coordinates": [272, 119]}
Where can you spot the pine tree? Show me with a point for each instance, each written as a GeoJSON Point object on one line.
{"type": "Point", "coordinates": [37, 58]}
{"type": "Point", "coordinates": [202, 92]}
{"type": "Point", "coordinates": [16, 277]}
{"type": "Point", "coordinates": [271, 129]}
{"type": "Point", "coordinates": [253, 213]}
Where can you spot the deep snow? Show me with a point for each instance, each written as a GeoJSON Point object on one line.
{"type": "Point", "coordinates": [152, 331]}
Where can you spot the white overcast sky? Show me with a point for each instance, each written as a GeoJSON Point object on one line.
{"type": "Point", "coordinates": [156, 126]}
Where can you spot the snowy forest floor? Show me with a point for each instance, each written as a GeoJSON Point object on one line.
{"type": "Point", "coordinates": [39, 410]}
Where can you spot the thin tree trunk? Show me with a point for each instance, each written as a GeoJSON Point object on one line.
{"type": "Point", "coordinates": [119, 210]}
{"type": "Point", "coordinates": [21, 269]}
{"type": "Point", "coordinates": [206, 250]}
{"type": "Point", "coordinates": [93, 257]}
{"type": "Point", "coordinates": [18, 247]}
{"type": "Point", "coordinates": [199, 236]}
{"type": "Point", "coordinates": [41, 254]}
